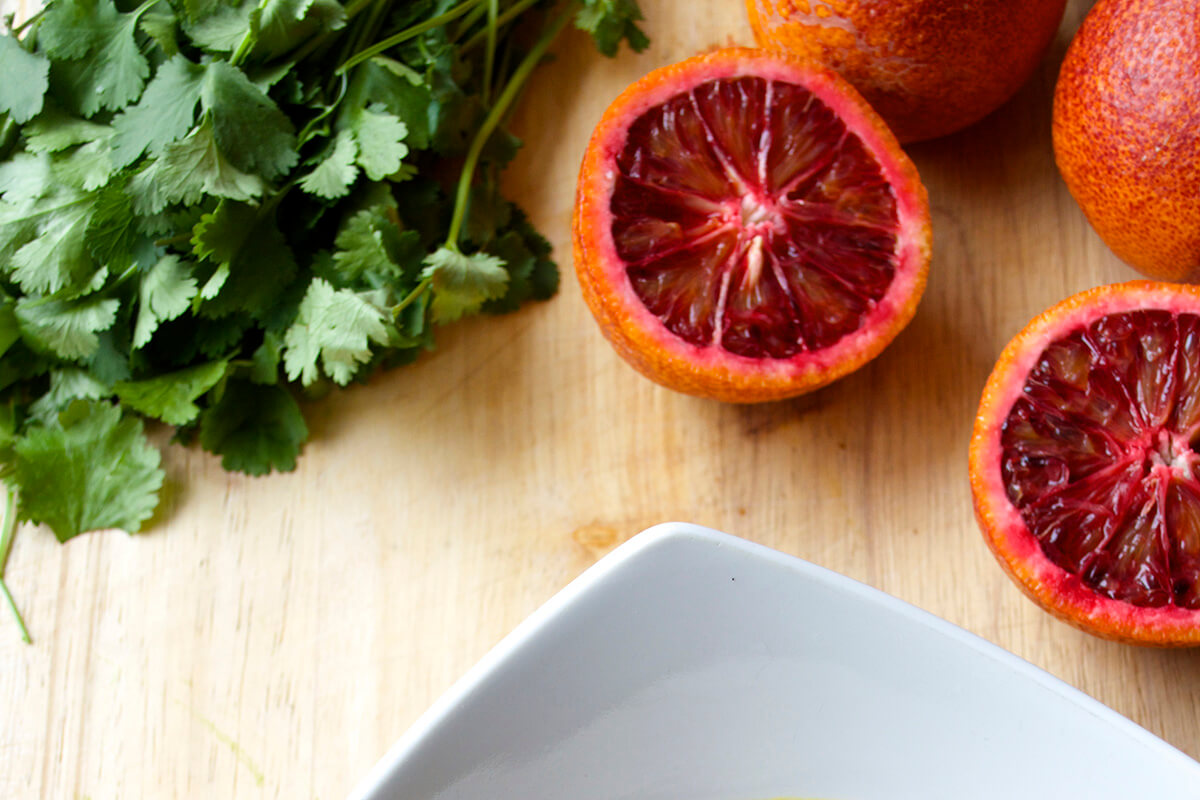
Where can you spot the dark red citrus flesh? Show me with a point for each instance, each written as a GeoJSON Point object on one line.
{"type": "Point", "coordinates": [1099, 456]}
{"type": "Point", "coordinates": [749, 218]}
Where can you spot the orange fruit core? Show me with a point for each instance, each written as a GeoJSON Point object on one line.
{"type": "Point", "coordinates": [750, 219]}
{"type": "Point", "coordinates": [1099, 456]}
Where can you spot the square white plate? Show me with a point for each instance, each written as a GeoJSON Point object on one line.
{"type": "Point", "coordinates": [692, 665]}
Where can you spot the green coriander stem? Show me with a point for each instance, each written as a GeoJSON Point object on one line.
{"type": "Point", "coordinates": [406, 34]}
{"type": "Point", "coordinates": [519, 76]}
{"type": "Point", "coordinates": [12, 604]}
{"type": "Point", "coordinates": [249, 40]}
{"type": "Point", "coordinates": [419, 290]}
{"type": "Point", "coordinates": [8, 529]}
{"type": "Point", "coordinates": [489, 57]}
{"type": "Point", "coordinates": [32, 19]}
{"type": "Point", "coordinates": [505, 18]}
{"type": "Point", "coordinates": [467, 23]}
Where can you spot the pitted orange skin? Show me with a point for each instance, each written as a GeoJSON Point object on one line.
{"type": "Point", "coordinates": [1127, 131]}
{"type": "Point", "coordinates": [929, 67]}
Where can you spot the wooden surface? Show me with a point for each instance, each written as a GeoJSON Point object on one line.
{"type": "Point", "coordinates": [270, 638]}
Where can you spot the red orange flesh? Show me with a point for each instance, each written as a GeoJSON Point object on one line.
{"type": "Point", "coordinates": [746, 228]}
{"type": "Point", "coordinates": [1085, 462]}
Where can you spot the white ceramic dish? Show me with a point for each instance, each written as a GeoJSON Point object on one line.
{"type": "Point", "coordinates": [691, 665]}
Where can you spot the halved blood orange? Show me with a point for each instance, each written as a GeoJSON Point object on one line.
{"type": "Point", "coordinates": [747, 228]}
{"type": "Point", "coordinates": [1084, 462]}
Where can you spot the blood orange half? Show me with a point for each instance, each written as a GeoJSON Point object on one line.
{"type": "Point", "coordinates": [1084, 464]}
{"type": "Point", "coordinates": [747, 228]}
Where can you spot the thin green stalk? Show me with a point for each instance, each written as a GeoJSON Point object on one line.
{"type": "Point", "coordinates": [408, 33]}
{"type": "Point", "coordinates": [467, 23]}
{"type": "Point", "coordinates": [417, 291]}
{"type": "Point", "coordinates": [505, 18]}
{"type": "Point", "coordinates": [17, 31]}
{"type": "Point", "coordinates": [248, 41]}
{"type": "Point", "coordinates": [489, 57]}
{"type": "Point", "coordinates": [8, 528]}
{"type": "Point", "coordinates": [506, 98]}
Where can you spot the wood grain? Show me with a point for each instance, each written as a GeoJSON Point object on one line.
{"type": "Point", "coordinates": [271, 637]}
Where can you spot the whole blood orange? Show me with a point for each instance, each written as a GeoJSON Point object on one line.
{"type": "Point", "coordinates": [930, 67]}
{"type": "Point", "coordinates": [746, 227]}
{"type": "Point", "coordinates": [1084, 464]}
{"type": "Point", "coordinates": [1127, 131]}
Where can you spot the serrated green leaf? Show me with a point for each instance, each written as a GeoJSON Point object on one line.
{"type": "Point", "coordinates": [93, 469]}
{"type": "Point", "coordinates": [335, 173]}
{"type": "Point", "coordinates": [86, 167]}
{"type": "Point", "coordinates": [23, 180]}
{"type": "Point", "coordinates": [248, 127]}
{"type": "Point", "coordinates": [165, 113]}
{"type": "Point", "coordinates": [111, 234]}
{"type": "Point", "coordinates": [189, 169]}
{"type": "Point", "coordinates": [165, 292]}
{"type": "Point", "coordinates": [171, 397]}
{"type": "Point", "coordinates": [611, 21]}
{"type": "Point", "coordinates": [222, 30]}
{"type": "Point", "coordinates": [160, 24]}
{"type": "Point", "coordinates": [26, 78]}
{"type": "Point", "coordinates": [373, 252]}
{"type": "Point", "coordinates": [257, 262]}
{"type": "Point", "coordinates": [45, 242]}
{"type": "Point", "coordinates": [334, 329]}
{"type": "Point", "coordinates": [285, 22]}
{"type": "Point", "coordinates": [54, 130]}
{"type": "Point", "coordinates": [66, 329]}
{"type": "Point", "coordinates": [461, 283]}
{"type": "Point", "coordinates": [266, 359]}
{"type": "Point", "coordinates": [380, 137]}
{"type": "Point", "coordinates": [254, 428]}
{"type": "Point", "coordinates": [66, 386]}
{"type": "Point", "coordinates": [107, 69]}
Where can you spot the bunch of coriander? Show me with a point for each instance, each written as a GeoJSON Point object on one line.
{"type": "Point", "coordinates": [210, 206]}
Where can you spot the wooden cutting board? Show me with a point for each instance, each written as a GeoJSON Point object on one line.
{"type": "Point", "coordinates": [271, 637]}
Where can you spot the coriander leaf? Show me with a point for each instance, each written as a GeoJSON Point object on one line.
{"type": "Point", "coordinates": [250, 129]}
{"type": "Point", "coordinates": [45, 241]}
{"type": "Point", "coordinates": [257, 261]}
{"type": "Point", "coordinates": [108, 69]}
{"type": "Point", "coordinates": [189, 169]}
{"type": "Point", "coordinates": [221, 233]}
{"type": "Point", "coordinates": [332, 177]}
{"type": "Point", "coordinates": [67, 385]}
{"type": "Point", "coordinates": [373, 252]}
{"type": "Point", "coordinates": [68, 28]}
{"type": "Point", "coordinates": [462, 283]}
{"type": "Point", "coordinates": [163, 115]}
{"type": "Point", "coordinates": [380, 138]}
{"type": "Point", "coordinates": [254, 428]}
{"type": "Point", "coordinates": [222, 30]}
{"type": "Point", "coordinates": [91, 469]}
{"type": "Point", "coordinates": [171, 397]}
{"type": "Point", "coordinates": [85, 167]}
{"type": "Point", "coordinates": [165, 292]}
{"type": "Point", "coordinates": [212, 287]}
{"type": "Point", "coordinates": [335, 327]}
{"type": "Point", "coordinates": [403, 92]}
{"type": "Point", "coordinates": [26, 78]}
{"type": "Point", "coordinates": [111, 235]}
{"type": "Point", "coordinates": [286, 22]}
{"type": "Point", "coordinates": [66, 329]}
{"type": "Point", "coordinates": [10, 331]}
{"type": "Point", "coordinates": [54, 130]}
{"type": "Point", "coordinates": [264, 367]}
{"type": "Point", "coordinates": [610, 21]}
{"type": "Point", "coordinates": [160, 24]}
{"type": "Point", "coordinates": [24, 179]}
